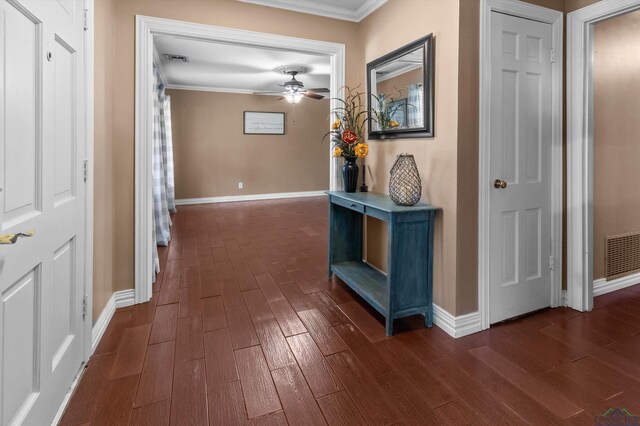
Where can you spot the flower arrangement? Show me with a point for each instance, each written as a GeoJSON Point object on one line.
{"type": "Point", "coordinates": [346, 132]}
{"type": "Point", "coordinates": [384, 112]}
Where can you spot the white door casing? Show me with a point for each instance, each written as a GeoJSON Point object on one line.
{"type": "Point", "coordinates": [520, 153]}
{"type": "Point", "coordinates": [42, 117]}
{"type": "Point", "coordinates": [146, 29]}
{"type": "Point", "coordinates": [580, 28]}
{"type": "Point", "coordinates": [486, 178]}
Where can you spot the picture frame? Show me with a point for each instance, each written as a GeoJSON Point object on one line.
{"type": "Point", "coordinates": [413, 62]}
{"type": "Point", "coordinates": [263, 123]}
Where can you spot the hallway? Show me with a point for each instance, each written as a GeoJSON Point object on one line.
{"type": "Point", "coordinates": [244, 328]}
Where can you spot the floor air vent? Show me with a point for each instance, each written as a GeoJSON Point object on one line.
{"type": "Point", "coordinates": [622, 254]}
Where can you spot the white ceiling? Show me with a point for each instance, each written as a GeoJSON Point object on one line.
{"type": "Point", "coordinates": [348, 10]}
{"type": "Point", "coordinates": [234, 68]}
{"type": "Point", "coordinates": [401, 65]}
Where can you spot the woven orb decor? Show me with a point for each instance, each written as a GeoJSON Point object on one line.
{"type": "Point", "coordinates": [405, 188]}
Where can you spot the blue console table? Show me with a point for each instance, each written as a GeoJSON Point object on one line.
{"type": "Point", "coordinates": [407, 288]}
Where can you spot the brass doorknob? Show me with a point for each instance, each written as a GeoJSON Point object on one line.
{"type": "Point", "coordinates": [500, 184]}
{"type": "Point", "coordinates": [12, 238]}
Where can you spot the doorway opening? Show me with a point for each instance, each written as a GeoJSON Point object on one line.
{"type": "Point", "coordinates": [147, 30]}
{"type": "Point", "coordinates": [581, 33]}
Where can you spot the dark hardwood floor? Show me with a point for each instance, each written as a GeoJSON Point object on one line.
{"type": "Point", "coordinates": [244, 328]}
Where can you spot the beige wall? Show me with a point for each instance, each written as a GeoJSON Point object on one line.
{"type": "Point", "coordinates": [212, 154]}
{"type": "Point", "coordinates": [103, 155]}
{"type": "Point", "coordinates": [447, 162]}
{"type": "Point", "coordinates": [616, 180]}
{"type": "Point", "coordinates": [393, 25]}
{"type": "Point", "coordinates": [468, 160]}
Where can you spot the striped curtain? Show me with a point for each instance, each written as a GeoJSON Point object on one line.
{"type": "Point", "coordinates": [415, 101]}
{"type": "Point", "coordinates": [162, 171]}
{"type": "Point", "coordinates": [167, 153]}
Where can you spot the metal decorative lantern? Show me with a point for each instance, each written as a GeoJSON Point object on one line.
{"type": "Point", "coordinates": [405, 188]}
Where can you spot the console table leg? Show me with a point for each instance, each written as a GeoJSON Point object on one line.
{"type": "Point", "coordinates": [428, 317]}
{"type": "Point", "coordinates": [389, 326]}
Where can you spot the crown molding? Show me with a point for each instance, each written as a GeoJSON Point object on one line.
{"type": "Point", "coordinates": [221, 90]}
{"type": "Point", "coordinates": [400, 71]}
{"type": "Point", "coordinates": [368, 8]}
{"type": "Point", "coordinates": [319, 9]}
{"type": "Point", "coordinates": [210, 89]}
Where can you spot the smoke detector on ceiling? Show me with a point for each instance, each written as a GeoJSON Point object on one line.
{"type": "Point", "coordinates": [178, 58]}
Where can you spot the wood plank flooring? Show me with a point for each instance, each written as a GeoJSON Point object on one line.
{"type": "Point", "coordinates": [244, 328]}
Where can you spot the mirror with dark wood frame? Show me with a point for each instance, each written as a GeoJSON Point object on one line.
{"type": "Point", "coordinates": [400, 92]}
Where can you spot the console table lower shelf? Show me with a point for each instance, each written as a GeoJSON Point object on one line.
{"type": "Point", "coordinates": [369, 283]}
{"type": "Point", "coordinates": [406, 289]}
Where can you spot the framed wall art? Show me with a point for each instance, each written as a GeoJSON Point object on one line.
{"type": "Point", "coordinates": [263, 123]}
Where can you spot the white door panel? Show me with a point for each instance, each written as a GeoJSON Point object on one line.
{"type": "Point", "coordinates": [520, 155]}
{"type": "Point", "coordinates": [22, 47]}
{"type": "Point", "coordinates": [20, 345]}
{"type": "Point", "coordinates": [65, 109]}
{"type": "Point", "coordinates": [41, 156]}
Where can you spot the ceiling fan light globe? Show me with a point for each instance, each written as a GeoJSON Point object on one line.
{"type": "Point", "coordinates": [293, 97]}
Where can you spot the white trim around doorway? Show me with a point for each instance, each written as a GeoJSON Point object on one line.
{"type": "Point", "coordinates": [89, 159]}
{"type": "Point", "coordinates": [580, 30]}
{"type": "Point", "coordinates": [149, 27]}
{"type": "Point", "coordinates": [87, 327]}
{"type": "Point", "coordinates": [555, 18]}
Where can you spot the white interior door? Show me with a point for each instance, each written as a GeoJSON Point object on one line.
{"type": "Point", "coordinates": [520, 167]}
{"type": "Point", "coordinates": [41, 163]}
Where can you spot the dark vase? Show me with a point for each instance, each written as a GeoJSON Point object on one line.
{"type": "Point", "coordinates": [350, 174]}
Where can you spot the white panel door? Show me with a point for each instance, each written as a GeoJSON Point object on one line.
{"type": "Point", "coordinates": [41, 175]}
{"type": "Point", "coordinates": [520, 166]}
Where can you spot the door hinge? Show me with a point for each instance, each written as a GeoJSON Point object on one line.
{"type": "Point", "coordinates": [552, 263]}
{"type": "Point", "coordinates": [553, 55]}
{"type": "Point", "coordinates": [85, 173]}
{"type": "Point", "coordinates": [86, 19]}
{"type": "Point", "coordinates": [85, 303]}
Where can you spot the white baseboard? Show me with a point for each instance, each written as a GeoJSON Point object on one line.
{"type": "Point", "coordinates": [119, 299]}
{"type": "Point", "coordinates": [457, 326]}
{"type": "Point", "coordinates": [252, 197]}
{"type": "Point", "coordinates": [602, 286]}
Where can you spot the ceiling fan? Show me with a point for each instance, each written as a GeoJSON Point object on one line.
{"type": "Point", "coordinates": [294, 89]}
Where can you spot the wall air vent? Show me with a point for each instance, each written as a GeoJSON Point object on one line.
{"type": "Point", "coordinates": [622, 254]}
{"type": "Point", "coordinates": [178, 58]}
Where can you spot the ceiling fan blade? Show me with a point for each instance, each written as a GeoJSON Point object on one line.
{"type": "Point", "coordinates": [312, 95]}
{"type": "Point", "coordinates": [320, 89]}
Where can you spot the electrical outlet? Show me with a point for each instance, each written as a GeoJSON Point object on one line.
{"type": "Point", "coordinates": [240, 185]}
